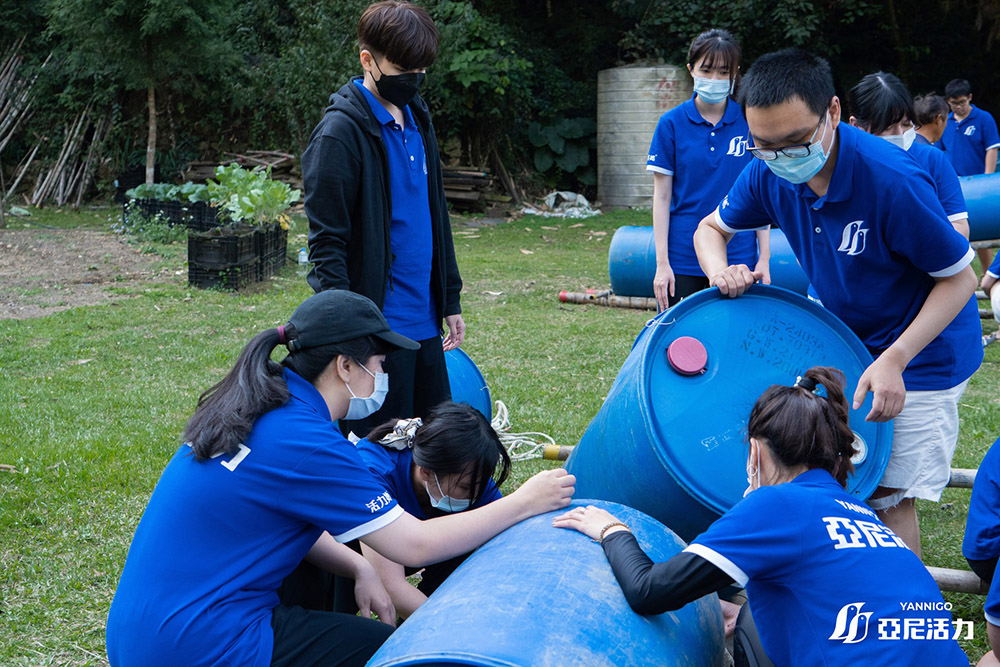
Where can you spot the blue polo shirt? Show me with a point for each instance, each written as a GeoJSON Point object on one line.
{"type": "Point", "coordinates": [704, 160]}
{"type": "Point", "coordinates": [391, 467]}
{"type": "Point", "coordinates": [994, 269]}
{"type": "Point", "coordinates": [827, 582]}
{"type": "Point", "coordinates": [218, 537]}
{"type": "Point", "coordinates": [872, 247]}
{"type": "Point", "coordinates": [409, 305]}
{"type": "Point", "coordinates": [949, 190]}
{"type": "Point", "coordinates": [966, 141]}
{"type": "Point", "coordinates": [922, 140]}
{"type": "Point", "coordinates": [982, 526]}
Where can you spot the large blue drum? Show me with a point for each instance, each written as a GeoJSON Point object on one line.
{"type": "Point", "coordinates": [467, 384]}
{"type": "Point", "coordinates": [982, 200]}
{"type": "Point", "coordinates": [632, 262]}
{"type": "Point", "coordinates": [670, 439]}
{"type": "Point", "coordinates": [536, 596]}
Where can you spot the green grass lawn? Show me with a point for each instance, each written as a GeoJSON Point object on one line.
{"type": "Point", "coordinates": [93, 401]}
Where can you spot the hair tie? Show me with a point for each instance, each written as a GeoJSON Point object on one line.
{"type": "Point", "coordinates": [808, 384]}
{"type": "Point", "coordinates": [401, 435]}
{"type": "Point", "coordinates": [281, 335]}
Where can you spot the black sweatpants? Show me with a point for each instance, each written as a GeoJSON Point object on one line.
{"type": "Point", "coordinates": [685, 286]}
{"type": "Point", "coordinates": [418, 381]}
{"type": "Point", "coordinates": [304, 638]}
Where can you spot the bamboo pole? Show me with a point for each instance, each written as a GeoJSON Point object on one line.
{"type": "Point", "coordinates": [962, 478]}
{"type": "Point", "coordinates": [609, 299]}
{"type": "Point", "coordinates": [958, 581]}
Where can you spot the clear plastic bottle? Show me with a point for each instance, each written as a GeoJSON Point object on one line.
{"type": "Point", "coordinates": [303, 261]}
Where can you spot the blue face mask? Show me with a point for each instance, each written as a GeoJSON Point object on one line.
{"type": "Point", "coordinates": [801, 169]}
{"type": "Point", "coordinates": [447, 503]}
{"type": "Point", "coordinates": [712, 91]}
{"type": "Point", "coordinates": [364, 406]}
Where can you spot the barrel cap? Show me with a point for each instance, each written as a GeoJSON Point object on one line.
{"type": "Point", "coordinates": [687, 356]}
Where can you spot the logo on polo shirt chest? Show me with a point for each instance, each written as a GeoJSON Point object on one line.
{"type": "Point", "coordinates": [853, 240]}
{"type": "Point", "coordinates": [969, 131]}
{"type": "Point", "coordinates": [737, 147]}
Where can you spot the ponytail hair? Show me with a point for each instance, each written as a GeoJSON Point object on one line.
{"type": "Point", "coordinates": [227, 411]}
{"type": "Point", "coordinates": [455, 439]}
{"type": "Point", "coordinates": [801, 426]}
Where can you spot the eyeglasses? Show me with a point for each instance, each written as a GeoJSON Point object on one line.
{"type": "Point", "coordinates": [961, 102]}
{"type": "Point", "coordinates": [793, 151]}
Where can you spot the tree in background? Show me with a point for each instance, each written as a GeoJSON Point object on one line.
{"type": "Point", "coordinates": [145, 45]}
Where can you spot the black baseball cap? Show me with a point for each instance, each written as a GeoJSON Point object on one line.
{"type": "Point", "coordinates": [335, 316]}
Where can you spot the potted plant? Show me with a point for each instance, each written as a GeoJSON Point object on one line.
{"type": "Point", "coordinates": [257, 208]}
{"type": "Point", "coordinates": [186, 204]}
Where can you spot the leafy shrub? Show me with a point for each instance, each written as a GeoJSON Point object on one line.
{"type": "Point", "coordinates": [250, 196]}
{"type": "Point", "coordinates": [188, 192]}
{"type": "Point", "coordinates": [564, 147]}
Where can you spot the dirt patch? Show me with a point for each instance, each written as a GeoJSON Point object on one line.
{"type": "Point", "coordinates": [45, 271]}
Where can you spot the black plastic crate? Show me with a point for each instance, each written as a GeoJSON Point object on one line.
{"type": "Point", "coordinates": [198, 216]}
{"type": "Point", "coordinates": [223, 246]}
{"type": "Point", "coordinates": [271, 264]}
{"type": "Point", "coordinates": [202, 217]}
{"type": "Point", "coordinates": [227, 278]}
{"type": "Point", "coordinates": [272, 239]}
{"type": "Point", "coordinates": [272, 244]}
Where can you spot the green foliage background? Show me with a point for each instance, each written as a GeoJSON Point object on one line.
{"type": "Point", "coordinates": [234, 74]}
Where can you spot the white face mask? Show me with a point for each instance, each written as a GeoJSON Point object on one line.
{"type": "Point", "coordinates": [447, 503]}
{"type": "Point", "coordinates": [361, 407]}
{"type": "Point", "coordinates": [712, 91]}
{"type": "Point", "coordinates": [752, 471]}
{"type": "Point", "coordinates": [904, 140]}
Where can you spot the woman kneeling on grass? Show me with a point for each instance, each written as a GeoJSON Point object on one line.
{"type": "Point", "coordinates": [827, 582]}
{"type": "Point", "coordinates": [448, 464]}
{"type": "Point", "coordinates": [263, 474]}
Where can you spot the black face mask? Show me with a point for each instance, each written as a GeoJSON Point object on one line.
{"type": "Point", "coordinates": [398, 89]}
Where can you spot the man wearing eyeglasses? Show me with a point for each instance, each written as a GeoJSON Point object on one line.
{"type": "Point", "coordinates": [970, 139]}
{"type": "Point", "coordinates": [869, 231]}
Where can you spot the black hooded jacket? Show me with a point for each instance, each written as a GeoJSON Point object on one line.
{"type": "Point", "coordinates": [345, 172]}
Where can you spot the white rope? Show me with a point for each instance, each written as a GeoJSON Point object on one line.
{"type": "Point", "coordinates": [520, 446]}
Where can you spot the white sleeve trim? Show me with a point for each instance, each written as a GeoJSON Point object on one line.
{"type": "Point", "coordinates": [992, 619]}
{"type": "Point", "coordinates": [731, 230]}
{"type": "Point", "coordinates": [719, 561]}
{"type": "Point", "coordinates": [381, 521]}
{"type": "Point", "coordinates": [989, 148]}
{"type": "Point", "coordinates": [659, 170]}
{"type": "Point", "coordinates": [956, 267]}
{"type": "Point", "coordinates": [955, 217]}
{"type": "Point", "coordinates": [992, 275]}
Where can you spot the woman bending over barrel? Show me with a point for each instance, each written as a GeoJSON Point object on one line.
{"type": "Point", "coordinates": [451, 463]}
{"type": "Point", "coordinates": [262, 474]}
{"type": "Point", "coordinates": [827, 582]}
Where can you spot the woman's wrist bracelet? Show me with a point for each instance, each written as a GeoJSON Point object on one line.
{"type": "Point", "coordinates": [610, 526]}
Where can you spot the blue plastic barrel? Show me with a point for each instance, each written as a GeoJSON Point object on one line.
{"type": "Point", "coordinates": [982, 200]}
{"type": "Point", "coordinates": [785, 269]}
{"type": "Point", "coordinates": [467, 384]}
{"type": "Point", "coordinates": [674, 445]}
{"type": "Point", "coordinates": [536, 595]}
{"type": "Point", "coordinates": [632, 262]}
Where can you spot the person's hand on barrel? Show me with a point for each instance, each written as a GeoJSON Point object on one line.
{"type": "Point", "coordinates": [592, 521]}
{"type": "Point", "coordinates": [546, 491]}
{"type": "Point", "coordinates": [735, 279]}
{"type": "Point", "coordinates": [884, 378]}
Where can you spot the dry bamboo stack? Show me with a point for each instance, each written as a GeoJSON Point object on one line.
{"type": "Point", "coordinates": [282, 165]}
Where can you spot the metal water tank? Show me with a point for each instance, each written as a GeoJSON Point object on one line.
{"type": "Point", "coordinates": [630, 101]}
